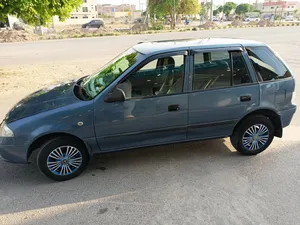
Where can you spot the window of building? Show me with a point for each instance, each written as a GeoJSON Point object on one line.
{"type": "Point", "coordinates": [84, 9]}
{"type": "Point", "coordinates": [267, 66]}
{"type": "Point", "coordinates": [159, 77]}
{"type": "Point", "coordinates": [272, 7]}
{"type": "Point", "coordinates": [84, 1]}
{"type": "Point", "coordinates": [85, 17]}
{"type": "Point", "coordinates": [292, 6]}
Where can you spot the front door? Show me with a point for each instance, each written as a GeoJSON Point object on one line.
{"type": "Point", "coordinates": [222, 92]}
{"type": "Point", "coordinates": [155, 109]}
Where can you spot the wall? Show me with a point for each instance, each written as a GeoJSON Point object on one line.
{"type": "Point", "coordinates": [70, 21]}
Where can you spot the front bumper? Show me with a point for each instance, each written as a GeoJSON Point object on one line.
{"type": "Point", "coordinates": [287, 116]}
{"type": "Point", "coordinates": [11, 152]}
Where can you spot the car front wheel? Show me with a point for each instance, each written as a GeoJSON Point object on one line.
{"type": "Point", "coordinates": [62, 158]}
{"type": "Point", "coordinates": [253, 135]}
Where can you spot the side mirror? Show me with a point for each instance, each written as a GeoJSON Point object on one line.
{"type": "Point", "coordinates": [117, 95]}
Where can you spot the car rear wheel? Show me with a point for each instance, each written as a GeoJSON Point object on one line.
{"type": "Point", "coordinates": [253, 135]}
{"type": "Point", "coordinates": [62, 158]}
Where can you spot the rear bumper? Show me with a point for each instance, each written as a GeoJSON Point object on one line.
{"type": "Point", "coordinates": [12, 153]}
{"type": "Point", "coordinates": [287, 115]}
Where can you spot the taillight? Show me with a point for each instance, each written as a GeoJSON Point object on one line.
{"type": "Point", "coordinates": [294, 98]}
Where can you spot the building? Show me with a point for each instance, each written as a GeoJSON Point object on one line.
{"type": "Point", "coordinates": [85, 13]}
{"type": "Point", "coordinates": [109, 10]}
{"type": "Point", "coordinates": [277, 7]}
{"type": "Point", "coordinates": [88, 10]}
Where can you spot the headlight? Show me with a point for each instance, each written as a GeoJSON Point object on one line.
{"type": "Point", "coordinates": [5, 131]}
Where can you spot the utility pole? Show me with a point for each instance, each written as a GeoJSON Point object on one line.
{"type": "Point", "coordinates": [211, 10]}
{"type": "Point", "coordinates": [174, 17]}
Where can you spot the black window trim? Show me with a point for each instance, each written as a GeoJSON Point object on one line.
{"type": "Point", "coordinates": [229, 50]}
{"type": "Point", "coordinates": [144, 62]}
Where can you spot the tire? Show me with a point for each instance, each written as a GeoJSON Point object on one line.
{"type": "Point", "coordinates": [247, 144]}
{"type": "Point", "coordinates": [62, 158]}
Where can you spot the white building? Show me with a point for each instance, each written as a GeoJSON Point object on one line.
{"type": "Point", "coordinates": [88, 10]}
{"type": "Point", "coordinates": [85, 13]}
{"type": "Point", "coordinates": [278, 7]}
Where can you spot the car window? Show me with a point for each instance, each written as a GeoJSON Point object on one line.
{"type": "Point", "coordinates": [211, 70]}
{"type": "Point", "coordinates": [240, 71]}
{"type": "Point", "coordinates": [266, 64]}
{"type": "Point", "coordinates": [162, 76]}
{"type": "Point", "coordinates": [95, 83]}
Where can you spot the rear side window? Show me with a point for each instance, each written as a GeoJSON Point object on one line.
{"type": "Point", "coordinates": [267, 66]}
{"type": "Point", "coordinates": [219, 69]}
{"type": "Point", "coordinates": [212, 70]}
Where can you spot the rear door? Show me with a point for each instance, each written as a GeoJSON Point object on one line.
{"type": "Point", "coordinates": [222, 91]}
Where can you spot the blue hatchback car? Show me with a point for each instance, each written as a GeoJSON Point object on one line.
{"type": "Point", "coordinates": [155, 93]}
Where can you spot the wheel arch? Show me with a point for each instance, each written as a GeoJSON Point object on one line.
{"type": "Point", "coordinates": [271, 114]}
{"type": "Point", "coordinates": [43, 138]}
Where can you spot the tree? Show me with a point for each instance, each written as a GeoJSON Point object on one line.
{"type": "Point", "coordinates": [172, 7]}
{"type": "Point", "coordinates": [215, 12]}
{"type": "Point", "coordinates": [189, 7]}
{"type": "Point", "coordinates": [241, 9]}
{"type": "Point", "coordinates": [296, 12]}
{"type": "Point", "coordinates": [228, 7]}
{"type": "Point", "coordinates": [218, 10]}
{"type": "Point", "coordinates": [205, 7]}
{"type": "Point", "coordinates": [38, 12]}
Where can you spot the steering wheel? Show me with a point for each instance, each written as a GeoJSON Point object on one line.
{"type": "Point", "coordinates": [92, 86]}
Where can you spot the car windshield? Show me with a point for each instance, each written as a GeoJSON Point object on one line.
{"type": "Point", "coordinates": [97, 82]}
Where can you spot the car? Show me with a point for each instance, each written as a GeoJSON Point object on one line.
{"type": "Point", "coordinates": [155, 93]}
{"type": "Point", "coordinates": [93, 24]}
{"type": "Point", "coordinates": [252, 19]}
{"type": "Point", "coordinates": [289, 18]}
{"type": "Point", "coordinates": [18, 26]}
{"type": "Point", "coordinates": [215, 18]}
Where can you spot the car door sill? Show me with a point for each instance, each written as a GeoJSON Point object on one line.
{"type": "Point", "coordinates": [163, 143]}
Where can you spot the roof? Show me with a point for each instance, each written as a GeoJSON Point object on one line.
{"type": "Point", "coordinates": [177, 45]}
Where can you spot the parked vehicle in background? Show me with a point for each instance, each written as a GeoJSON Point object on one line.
{"type": "Point", "coordinates": [152, 94]}
{"type": "Point", "coordinates": [18, 26]}
{"type": "Point", "coordinates": [252, 19]}
{"type": "Point", "coordinates": [215, 18]}
{"type": "Point", "coordinates": [289, 18]}
{"type": "Point", "coordinates": [93, 24]}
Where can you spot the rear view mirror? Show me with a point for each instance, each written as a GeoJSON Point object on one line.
{"type": "Point", "coordinates": [117, 95]}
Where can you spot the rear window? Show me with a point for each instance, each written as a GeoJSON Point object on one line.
{"type": "Point", "coordinates": [267, 66]}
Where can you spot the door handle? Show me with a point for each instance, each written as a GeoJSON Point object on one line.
{"type": "Point", "coordinates": [245, 98]}
{"type": "Point", "coordinates": [173, 108]}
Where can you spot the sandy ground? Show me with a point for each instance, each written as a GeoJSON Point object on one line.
{"type": "Point", "coordinates": [193, 183]}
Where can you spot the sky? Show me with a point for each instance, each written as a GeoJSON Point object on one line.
{"type": "Point", "coordinates": [136, 2]}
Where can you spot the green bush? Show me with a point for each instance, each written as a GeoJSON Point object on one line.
{"type": "Point", "coordinates": [157, 26]}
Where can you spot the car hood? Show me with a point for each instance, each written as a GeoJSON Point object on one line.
{"type": "Point", "coordinates": [44, 100]}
